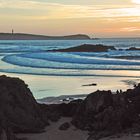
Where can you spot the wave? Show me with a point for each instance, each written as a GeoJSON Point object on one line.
{"type": "Point", "coordinates": [31, 57]}
{"type": "Point", "coordinates": [66, 58]}
{"type": "Point", "coordinates": [39, 60]}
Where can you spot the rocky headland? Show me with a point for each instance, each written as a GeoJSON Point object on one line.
{"type": "Point", "coordinates": [101, 113]}
{"type": "Point", "coordinates": [22, 36]}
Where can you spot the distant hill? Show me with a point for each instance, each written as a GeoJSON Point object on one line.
{"type": "Point", "coordinates": [21, 36]}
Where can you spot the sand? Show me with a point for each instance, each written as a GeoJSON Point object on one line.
{"type": "Point", "coordinates": [53, 133]}
{"type": "Point", "coordinates": [123, 137]}
{"type": "Point", "coordinates": [54, 86]}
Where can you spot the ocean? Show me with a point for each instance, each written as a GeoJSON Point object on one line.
{"type": "Point", "coordinates": [61, 73]}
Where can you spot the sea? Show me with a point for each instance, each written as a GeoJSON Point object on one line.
{"type": "Point", "coordinates": [64, 73]}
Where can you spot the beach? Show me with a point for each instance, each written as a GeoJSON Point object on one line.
{"type": "Point", "coordinates": [70, 117]}
{"type": "Point", "coordinates": [51, 86]}
{"type": "Point", "coordinates": [53, 132]}
{"type": "Point", "coordinates": [71, 88]}
{"type": "Point", "coordinates": [69, 70]}
{"type": "Point", "coordinates": [65, 73]}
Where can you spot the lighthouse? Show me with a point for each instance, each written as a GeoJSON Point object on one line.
{"type": "Point", "coordinates": [12, 31]}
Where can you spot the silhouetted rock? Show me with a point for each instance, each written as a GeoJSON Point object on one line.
{"type": "Point", "coordinates": [55, 111]}
{"type": "Point", "coordinates": [94, 103]}
{"type": "Point", "coordinates": [6, 134]}
{"type": "Point", "coordinates": [101, 113]}
{"type": "Point", "coordinates": [87, 48]}
{"type": "Point", "coordinates": [104, 113]}
{"type": "Point", "coordinates": [19, 111]}
{"type": "Point", "coordinates": [133, 49]}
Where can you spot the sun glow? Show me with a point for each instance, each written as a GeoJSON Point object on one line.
{"type": "Point", "coordinates": [136, 1]}
{"type": "Point", "coordinates": [106, 18]}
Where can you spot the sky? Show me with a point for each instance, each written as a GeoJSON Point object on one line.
{"type": "Point", "coordinates": [97, 18]}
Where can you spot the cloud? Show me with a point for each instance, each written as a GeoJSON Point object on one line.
{"type": "Point", "coordinates": [130, 29]}
{"type": "Point", "coordinates": [46, 10]}
{"type": "Point", "coordinates": [56, 17]}
{"type": "Point", "coordinates": [136, 1]}
{"type": "Point", "coordinates": [87, 2]}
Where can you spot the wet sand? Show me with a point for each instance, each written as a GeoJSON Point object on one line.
{"type": "Point", "coordinates": [54, 86]}
{"type": "Point", "coordinates": [53, 133]}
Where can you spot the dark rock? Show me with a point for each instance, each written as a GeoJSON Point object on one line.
{"type": "Point", "coordinates": [64, 126]}
{"type": "Point", "coordinates": [93, 84]}
{"type": "Point", "coordinates": [51, 111]}
{"type": "Point", "coordinates": [106, 113]}
{"type": "Point", "coordinates": [68, 110]}
{"type": "Point", "coordinates": [90, 107]}
{"type": "Point", "coordinates": [101, 113]}
{"type": "Point", "coordinates": [98, 101]}
{"type": "Point", "coordinates": [133, 49]}
{"type": "Point", "coordinates": [19, 111]}
{"type": "Point", "coordinates": [55, 111]}
{"type": "Point", "coordinates": [6, 133]}
{"type": "Point", "coordinates": [87, 48]}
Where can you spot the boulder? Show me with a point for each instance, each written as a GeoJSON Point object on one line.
{"type": "Point", "coordinates": [18, 108]}
{"type": "Point", "coordinates": [64, 126]}
{"type": "Point", "coordinates": [94, 104]}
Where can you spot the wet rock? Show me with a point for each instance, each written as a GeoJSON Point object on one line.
{"type": "Point", "coordinates": [133, 49]}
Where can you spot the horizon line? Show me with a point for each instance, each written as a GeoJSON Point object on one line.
{"type": "Point", "coordinates": [89, 35]}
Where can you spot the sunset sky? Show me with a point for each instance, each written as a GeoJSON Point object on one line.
{"type": "Point", "coordinates": [97, 18]}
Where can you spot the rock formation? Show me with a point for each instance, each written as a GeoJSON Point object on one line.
{"type": "Point", "coordinates": [104, 113]}
{"type": "Point", "coordinates": [87, 48]}
{"type": "Point", "coordinates": [19, 111]}
{"type": "Point", "coordinates": [101, 113]}
{"type": "Point", "coordinates": [133, 49]}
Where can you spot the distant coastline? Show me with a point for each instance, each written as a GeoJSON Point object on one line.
{"type": "Point", "coordinates": [22, 36]}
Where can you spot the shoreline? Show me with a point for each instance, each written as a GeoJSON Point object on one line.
{"type": "Point", "coordinates": [58, 86]}
{"type": "Point", "coordinates": [101, 115]}
{"type": "Point", "coordinates": [53, 131]}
